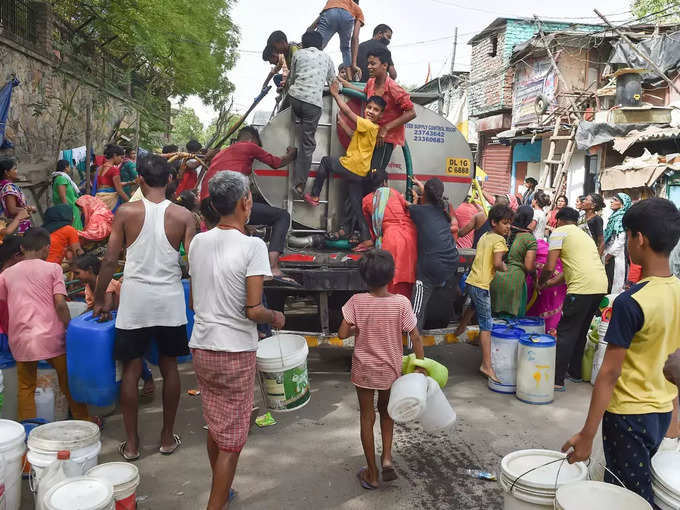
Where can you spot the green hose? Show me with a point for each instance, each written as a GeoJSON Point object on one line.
{"type": "Point", "coordinates": [405, 149]}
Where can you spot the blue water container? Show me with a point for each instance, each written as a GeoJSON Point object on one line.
{"type": "Point", "coordinates": [92, 375]}
{"type": "Point", "coordinates": [152, 354]}
{"type": "Point", "coordinates": [504, 342]}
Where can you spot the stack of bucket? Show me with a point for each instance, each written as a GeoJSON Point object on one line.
{"type": "Point", "coordinates": [530, 479]}
{"type": "Point", "coordinates": [12, 447]}
{"type": "Point", "coordinates": [591, 495]}
{"type": "Point", "coordinates": [81, 438]}
{"type": "Point", "coordinates": [83, 492]}
{"type": "Point", "coordinates": [666, 479]}
{"type": "Point", "coordinates": [124, 477]}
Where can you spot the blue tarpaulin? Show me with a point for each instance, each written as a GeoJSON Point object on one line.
{"type": "Point", "coordinates": [5, 98]}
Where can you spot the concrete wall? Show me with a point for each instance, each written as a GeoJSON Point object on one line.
{"type": "Point", "coordinates": [48, 109]}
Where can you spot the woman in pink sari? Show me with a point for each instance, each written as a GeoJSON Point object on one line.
{"type": "Point", "coordinates": [548, 303]}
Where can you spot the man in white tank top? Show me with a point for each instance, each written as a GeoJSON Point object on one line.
{"type": "Point", "coordinates": [152, 304]}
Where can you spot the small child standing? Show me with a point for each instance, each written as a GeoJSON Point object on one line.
{"type": "Point", "coordinates": [631, 397]}
{"type": "Point", "coordinates": [488, 259]}
{"type": "Point", "coordinates": [86, 269]}
{"type": "Point", "coordinates": [35, 294]}
{"type": "Point", "coordinates": [377, 320]}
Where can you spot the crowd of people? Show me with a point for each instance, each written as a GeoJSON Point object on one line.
{"type": "Point", "coordinates": [170, 218]}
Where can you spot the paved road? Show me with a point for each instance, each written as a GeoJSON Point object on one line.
{"type": "Point", "coordinates": [310, 458]}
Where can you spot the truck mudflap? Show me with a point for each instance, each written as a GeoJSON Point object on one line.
{"type": "Point", "coordinates": [430, 338]}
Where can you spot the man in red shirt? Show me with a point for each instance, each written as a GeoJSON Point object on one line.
{"type": "Point", "coordinates": [239, 157]}
{"type": "Point", "coordinates": [398, 112]}
{"type": "Point", "coordinates": [189, 172]}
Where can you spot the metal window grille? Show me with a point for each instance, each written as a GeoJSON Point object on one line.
{"type": "Point", "coordinates": [17, 17]}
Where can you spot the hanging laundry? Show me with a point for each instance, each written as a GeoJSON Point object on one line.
{"type": "Point", "coordinates": [5, 99]}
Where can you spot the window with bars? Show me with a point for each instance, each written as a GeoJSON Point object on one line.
{"type": "Point", "coordinates": [17, 18]}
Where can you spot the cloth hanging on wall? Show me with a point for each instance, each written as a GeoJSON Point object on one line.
{"type": "Point", "coordinates": [5, 99]}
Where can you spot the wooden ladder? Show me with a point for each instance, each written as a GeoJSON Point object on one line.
{"type": "Point", "coordinates": [559, 162]}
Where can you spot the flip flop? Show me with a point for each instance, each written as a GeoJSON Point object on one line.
{"type": "Point", "coordinates": [362, 249]}
{"type": "Point", "coordinates": [232, 495]}
{"type": "Point", "coordinates": [127, 457]}
{"type": "Point", "coordinates": [494, 379]}
{"type": "Point", "coordinates": [171, 450]}
{"type": "Point", "coordinates": [560, 388]}
{"type": "Point", "coordinates": [364, 483]}
{"type": "Point", "coordinates": [574, 379]}
{"type": "Point", "coordinates": [389, 474]}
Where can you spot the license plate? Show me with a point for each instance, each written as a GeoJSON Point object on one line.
{"type": "Point", "coordinates": [460, 167]}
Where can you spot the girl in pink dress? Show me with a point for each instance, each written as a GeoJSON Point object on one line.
{"type": "Point", "coordinates": [377, 320]}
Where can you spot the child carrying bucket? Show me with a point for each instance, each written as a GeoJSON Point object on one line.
{"type": "Point", "coordinates": [377, 320]}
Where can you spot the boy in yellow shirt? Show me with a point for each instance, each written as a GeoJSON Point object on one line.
{"type": "Point", "coordinates": [488, 259]}
{"type": "Point", "coordinates": [355, 165]}
{"type": "Point", "coordinates": [631, 397]}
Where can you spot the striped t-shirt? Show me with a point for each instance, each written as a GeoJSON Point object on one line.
{"type": "Point", "coordinates": [378, 347]}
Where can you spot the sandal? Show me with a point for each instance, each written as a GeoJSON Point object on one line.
{"type": "Point", "coordinates": [366, 485]}
{"type": "Point", "coordinates": [126, 456]}
{"type": "Point", "coordinates": [171, 450]}
{"type": "Point", "coordinates": [389, 474]}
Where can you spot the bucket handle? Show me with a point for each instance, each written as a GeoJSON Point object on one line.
{"type": "Point", "coordinates": [562, 460]}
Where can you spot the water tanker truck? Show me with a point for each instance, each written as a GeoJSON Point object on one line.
{"type": "Point", "coordinates": [328, 275]}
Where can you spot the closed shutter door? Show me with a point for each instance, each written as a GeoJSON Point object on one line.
{"type": "Point", "coordinates": [497, 164]}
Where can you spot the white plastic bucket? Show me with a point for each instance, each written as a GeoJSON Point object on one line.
{"type": "Point", "coordinates": [76, 308]}
{"type": "Point", "coordinates": [408, 397]}
{"type": "Point", "coordinates": [591, 495]}
{"type": "Point", "coordinates": [125, 479]}
{"type": "Point", "coordinates": [504, 343]}
{"type": "Point", "coordinates": [598, 358]}
{"type": "Point", "coordinates": [438, 414]}
{"type": "Point", "coordinates": [81, 438]}
{"type": "Point", "coordinates": [530, 478]}
{"type": "Point", "coordinates": [12, 448]}
{"type": "Point", "coordinates": [282, 368]}
{"type": "Point", "coordinates": [666, 479]}
{"type": "Point", "coordinates": [81, 493]}
{"type": "Point", "coordinates": [536, 369]}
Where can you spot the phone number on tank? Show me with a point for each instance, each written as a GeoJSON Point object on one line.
{"type": "Point", "coordinates": [428, 139]}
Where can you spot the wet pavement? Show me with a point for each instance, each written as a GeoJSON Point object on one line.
{"type": "Point", "coordinates": [310, 458]}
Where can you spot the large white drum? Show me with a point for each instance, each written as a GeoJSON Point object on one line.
{"type": "Point", "coordinates": [536, 369]}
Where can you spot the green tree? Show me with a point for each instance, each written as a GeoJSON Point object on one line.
{"type": "Point", "coordinates": [186, 126]}
{"type": "Point", "coordinates": [656, 10]}
{"type": "Point", "coordinates": [161, 48]}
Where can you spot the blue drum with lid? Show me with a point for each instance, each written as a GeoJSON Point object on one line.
{"type": "Point", "coordinates": [536, 369]}
{"type": "Point", "coordinates": [504, 341]}
{"type": "Point", "coordinates": [531, 325]}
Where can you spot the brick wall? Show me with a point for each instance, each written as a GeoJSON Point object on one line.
{"type": "Point", "coordinates": [490, 81]}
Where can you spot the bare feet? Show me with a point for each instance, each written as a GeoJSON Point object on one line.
{"type": "Point", "coordinates": [488, 372]}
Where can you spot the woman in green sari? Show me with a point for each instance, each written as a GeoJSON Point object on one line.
{"type": "Point", "coordinates": [508, 289]}
{"type": "Point", "coordinates": [65, 191]}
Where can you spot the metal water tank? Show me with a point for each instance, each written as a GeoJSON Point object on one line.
{"type": "Point", "coordinates": [437, 149]}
